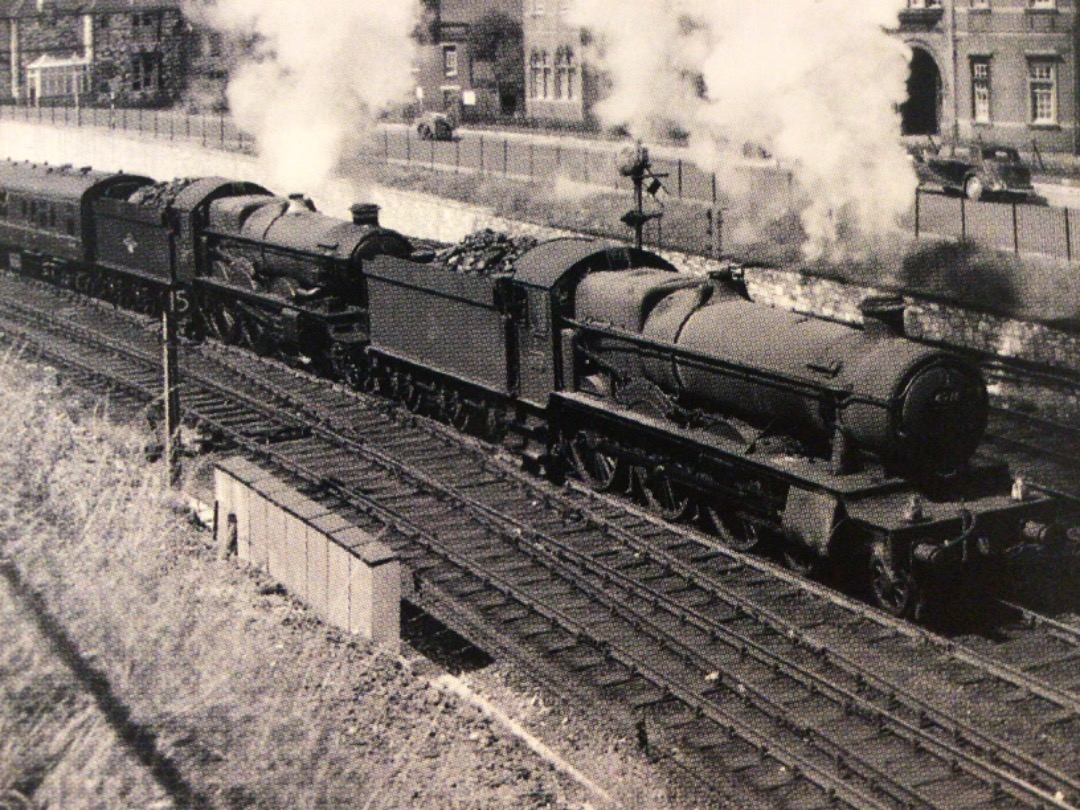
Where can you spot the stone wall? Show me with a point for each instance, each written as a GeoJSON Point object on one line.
{"type": "Point", "coordinates": [117, 39]}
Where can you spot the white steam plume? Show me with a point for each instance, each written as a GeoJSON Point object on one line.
{"type": "Point", "coordinates": [316, 78]}
{"type": "Point", "coordinates": [814, 82]}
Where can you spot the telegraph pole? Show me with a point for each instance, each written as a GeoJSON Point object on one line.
{"type": "Point", "coordinates": [171, 367]}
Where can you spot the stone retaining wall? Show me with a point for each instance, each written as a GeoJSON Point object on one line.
{"type": "Point", "coordinates": [347, 577]}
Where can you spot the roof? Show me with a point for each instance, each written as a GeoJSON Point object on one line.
{"type": "Point", "coordinates": [54, 182]}
{"type": "Point", "coordinates": [547, 263]}
{"type": "Point", "coordinates": [29, 8]}
{"type": "Point", "coordinates": [46, 61]}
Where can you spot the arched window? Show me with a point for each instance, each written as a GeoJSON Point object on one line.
{"type": "Point", "coordinates": [545, 60]}
{"type": "Point", "coordinates": [535, 74]}
{"type": "Point", "coordinates": [564, 73]}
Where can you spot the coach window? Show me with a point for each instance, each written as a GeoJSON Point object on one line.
{"type": "Point", "coordinates": [69, 220]}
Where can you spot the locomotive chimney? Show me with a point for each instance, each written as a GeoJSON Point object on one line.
{"type": "Point", "coordinates": [883, 315]}
{"type": "Point", "coordinates": [365, 214]}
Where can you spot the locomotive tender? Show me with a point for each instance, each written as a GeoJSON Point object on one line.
{"type": "Point", "coordinates": [855, 448]}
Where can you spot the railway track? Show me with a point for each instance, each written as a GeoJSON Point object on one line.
{"type": "Point", "coordinates": [1044, 450]}
{"type": "Point", "coordinates": [715, 657]}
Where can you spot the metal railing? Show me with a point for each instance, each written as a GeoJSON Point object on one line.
{"type": "Point", "coordinates": [1020, 228]}
{"type": "Point", "coordinates": [1017, 227]}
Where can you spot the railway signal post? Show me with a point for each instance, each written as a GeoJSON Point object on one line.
{"type": "Point", "coordinates": [635, 164]}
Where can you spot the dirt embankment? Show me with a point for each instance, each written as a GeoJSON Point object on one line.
{"type": "Point", "coordinates": [233, 688]}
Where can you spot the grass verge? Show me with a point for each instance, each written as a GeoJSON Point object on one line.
{"type": "Point", "coordinates": [249, 699]}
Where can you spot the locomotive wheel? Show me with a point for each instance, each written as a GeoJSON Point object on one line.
{"type": "Point", "coordinates": [373, 383]}
{"type": "Point", "coordinates": [496, 424]}
{"type": "Point", "coordinates": [458, 413]}
{"type": "Point", "coordinates": [736, 531]}
{"type": "Point", "coordinates": [603, 472]}
{"type": "Point", "coordinates": [663, 496]}
{"type": "Point", "coordinates": [802, 560]}
{"type": "Point", "coordinates": [257, 337]}
{"type": "Point", "coordinates": [224, 325]}
{"type": "Point", "coordinates": [892, 584]}
{"type": "Point", "coordinates": [410, 394]}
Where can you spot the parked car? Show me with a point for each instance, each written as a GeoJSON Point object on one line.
{"type": "Point", "coordinates": [977, 172]}
{"type": "Point", "coordinates": [435, 126]}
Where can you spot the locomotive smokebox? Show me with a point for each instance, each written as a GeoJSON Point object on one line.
{"type": "Point", "coordinates": [365, 214]}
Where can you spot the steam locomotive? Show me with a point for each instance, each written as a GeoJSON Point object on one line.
{"type": "Point", "coordinates": [841, 447]}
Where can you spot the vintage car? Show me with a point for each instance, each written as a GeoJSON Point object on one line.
{"type": "Point", "coordinates": [435, 126]}
{"type": "Point", "coordinates": [977, 172]}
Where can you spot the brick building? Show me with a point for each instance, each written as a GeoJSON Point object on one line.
{"type": "Point", "coordinates": [92, 51]}
{"type": "Point", "coordinates": [449, 78]}
{"type": "Point", "coordinates": [1000, 71]}
{"type": "Point", "coordinates": [558, 85]}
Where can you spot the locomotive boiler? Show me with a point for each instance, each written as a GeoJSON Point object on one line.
{"type": "Point", "coordinates": [919, 410]}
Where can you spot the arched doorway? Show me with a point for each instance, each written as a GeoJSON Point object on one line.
{"type": "Point", "coordinates": [921, 113]}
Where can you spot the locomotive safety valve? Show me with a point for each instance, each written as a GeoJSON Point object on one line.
{"type": "Point", "coordinates": [1020, 490]}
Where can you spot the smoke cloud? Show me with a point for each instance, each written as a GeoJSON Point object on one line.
{"type": "Point", "coordinates": [816, 83]}
{"type": "Point", "coordinates": [316, 76]}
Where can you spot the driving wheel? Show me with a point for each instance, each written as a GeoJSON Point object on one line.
{"type": "Point", "coordinates": [892, 584]}
{"type": "Point", "coordinates": [602, 470]}
{"type": "Point", "coordinates": [734, 530]}
{"type": "Point", "coordinates": [665, 497]}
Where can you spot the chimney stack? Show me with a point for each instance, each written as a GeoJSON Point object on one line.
{"type": "Point", "coordinates": [365, 214]}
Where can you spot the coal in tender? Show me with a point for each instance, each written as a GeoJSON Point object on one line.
{"type": "Point", "coordinates": [485, 253]}
{"type": "Point", "coordinates": [160, 195]}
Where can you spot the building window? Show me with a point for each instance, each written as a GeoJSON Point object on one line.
{"type": "Point", "coordinates": [924, 3]}
{"type": "Point", "coordinates": [1042, 5]}
{"type": "Point", "coordinates": [980, 5]}
{"type": "Point", "coordinates": [980, 91]}
{"type": "Point", "coordinates": [534, 74]}
{"type": "Point", "coordinates": [449, 60]}
{"type": "Point", "coordinates": [564, 73]}
{"type": "Point", "coordinates": [540, 77]}
{"type": "Point", "coordinates": [145, 73]}
{"type": "Point", "coordinates": [146, 20]}
{"type": "Point", "coordinates": [1042, 81]}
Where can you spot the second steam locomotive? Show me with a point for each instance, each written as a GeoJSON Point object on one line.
{"type": "Point", "coordinates": [850, 448]}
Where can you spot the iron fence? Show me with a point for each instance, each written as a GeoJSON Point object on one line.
{"type": "Point", "coordinates": [1016, 227]}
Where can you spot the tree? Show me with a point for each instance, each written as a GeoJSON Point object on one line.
{"type": "Point", "coordinates": [498, 39]}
